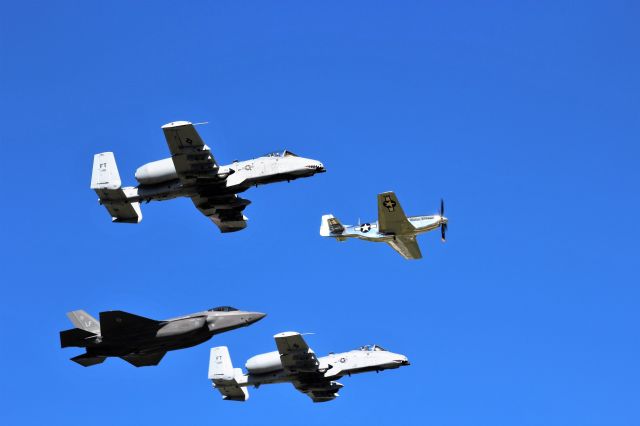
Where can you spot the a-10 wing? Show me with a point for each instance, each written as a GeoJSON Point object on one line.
{"type": "Point", "coordinates": [223, 210]}
{"type": "Point", "coordinates": [297, 357]}
{"type": "Point", "coordinates": [191, 157]}
{"type": "Point", "coordinates": [319, 390]}
{"type": "Point", "coordinates": [194, 162]}
{"type": "Point", "coordinates": [295, 354]}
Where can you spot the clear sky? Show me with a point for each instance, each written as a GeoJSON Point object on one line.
{"type": "Point", "coordinates": [523, 116]}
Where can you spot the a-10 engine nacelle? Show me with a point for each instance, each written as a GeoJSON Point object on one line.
{"type": "Point", "coordinates": [157, 172]}
{"type": "Point", "coordinates": [182, 326]}
{"type": "Point", "coordinates": [264, 363]}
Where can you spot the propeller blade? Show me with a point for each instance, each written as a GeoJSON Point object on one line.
{"type": "Point", "coordinates": [441, 207]}
{"type": "Point", "coordinates": [443, 230]}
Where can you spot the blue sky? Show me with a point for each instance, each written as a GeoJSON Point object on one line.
{"type": "Point", "coordinates": [523, 116]}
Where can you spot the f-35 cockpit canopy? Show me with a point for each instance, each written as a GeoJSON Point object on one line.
{"type": "Point", "coordinates": [223, 309]}
{"type": "Point", "coordinates": [280, 154]}
{"type": "Point", "coordinates": [369, 348]}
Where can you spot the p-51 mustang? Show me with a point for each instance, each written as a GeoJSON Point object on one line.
{"type": "Point", "coordinates": [193, 172]}
{"type": "Point", "coordinates": [294, 362]}
{"type": "Point", "coordinates": [393, 227]}
{"type": "Point", "coordinates": [142, 341]}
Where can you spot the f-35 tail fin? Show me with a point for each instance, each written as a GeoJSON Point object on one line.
{"type": "Point", "coordinates": [105, 180]}
{"type": "Point", "coordinates": [224, 377]}
{"type": "Point", "coordinates": [82, 320]}
{"type": "Point", "coordinates": [330, 226]}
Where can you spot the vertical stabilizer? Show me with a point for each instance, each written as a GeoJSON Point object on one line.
{"type": "Point", "coordinates": [122, 203]}
{"type": "Point", "coordinates": [220, 366]}
{"type": "Point", "coordinates": [82, 320]}
{"type": "Point", "coordinates": [105, 172]}
{"type": "Point", "coordinates": [224, 377]}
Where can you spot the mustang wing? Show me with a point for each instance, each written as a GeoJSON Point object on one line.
{"type": "Point", "coordinates": [391, 217]}
{"type": "Point", "coordinates": [225, 211]}
{"type": "Point", "coordinates": [295, 354]}
{"type": "Point", "coordinates": [191, 157]}
{"type": "Point", "coordinates": [144, 360]}
{"type": "Point", "coordinates": [407, 246]}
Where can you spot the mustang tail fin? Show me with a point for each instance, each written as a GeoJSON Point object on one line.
{"type": "Point", "coordinates": [224, 377]}
{"type": "Point", "coordinates": [330, 226]}
{"type": "Point", "coordinates": [105, 180]}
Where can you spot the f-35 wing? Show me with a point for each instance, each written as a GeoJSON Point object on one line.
{"type": "Point", "coordinates": [144, 360]}
{"type": "Point", "coordinates": [391, 217]}
{"type": "Point", "coordinates": [318, 391]}
{"type": "Point", "coordinates": [191, 157]}
{"type": "Point", "coordinates": [296, 356]}
{"type": "Point", "coordinates": [225, 211]}
{"type": "Point", "coordinates": [407, 246]}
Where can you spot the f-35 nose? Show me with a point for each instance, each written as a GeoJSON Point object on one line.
{"type": "Point", "coordinates": [252, 317]}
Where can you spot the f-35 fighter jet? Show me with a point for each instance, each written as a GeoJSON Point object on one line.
{"type": "Point", "coordinates": [393, 227]}
{"type": "Point", "coordinates": [193, 172]}
{"type": "Point", "coordinates": [294, 362]}
{"type": "Point", "coordinates": [142, 341]}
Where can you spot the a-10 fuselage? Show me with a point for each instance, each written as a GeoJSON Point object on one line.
{"type": "Point", "coordinates": [369, 231]}
{"type": "Point", "coordinates": [158, 180]}
{"type": "Point", "coordinates": [267, 368]}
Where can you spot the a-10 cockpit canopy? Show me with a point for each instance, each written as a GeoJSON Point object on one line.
{"type": "Point", "coordinates": [369, 348]}
{"type": "Point", "coordinates": [223, 309]}
{"type": "Point", "coordinates": [285, 153]}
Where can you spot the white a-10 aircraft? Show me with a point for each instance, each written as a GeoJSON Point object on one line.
{"type": "Point", "coordinates": [294, 362]}
{"type": "Point", "coordinates": [193, 172]}
{"type": "Point", "coordinates": [393, 227]}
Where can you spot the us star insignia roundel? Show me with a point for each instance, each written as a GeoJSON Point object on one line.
{"type": "Point", "coordinates": [365, 227]}
{"type": "Point", "coordinates": [389, 203]}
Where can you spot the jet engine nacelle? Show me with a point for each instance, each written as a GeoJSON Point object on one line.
{"type": "Point", "coordinates": [182, 326]}
{"type": "Point", "coordinates": [157, 172]}
{"type": "Point", "coordinates": [264, 363]}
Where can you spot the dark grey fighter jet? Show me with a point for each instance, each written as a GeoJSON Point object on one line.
{"type": "Point", "coordinates": [142, 341]}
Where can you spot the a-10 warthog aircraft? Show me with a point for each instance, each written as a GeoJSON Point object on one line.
{"type": "Point", "coordinates": [294, 362]}
{"type": "Point", "coordinates": [393, 227]}
{"type": "Point", "coordinates": [142, 341]}
{"type": "Point", "coordinates": [193, 172]}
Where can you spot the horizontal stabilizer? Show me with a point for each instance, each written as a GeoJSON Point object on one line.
{"type": "Point", "coordinates": [87, 360]}
{"type": "Point", "coordinates": [115, 323]}
{"type": "Point", "coordinates": [75, 337]}
{"type": "Point", "coordinates": [144, 360]}
{"type": "Point", "coordinates": [330, 226]}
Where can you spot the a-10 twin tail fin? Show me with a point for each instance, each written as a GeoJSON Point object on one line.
{"type": "Point", "coordinates": [224, 377]}
{"type": "Point", "coordinates": [105, 180]}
